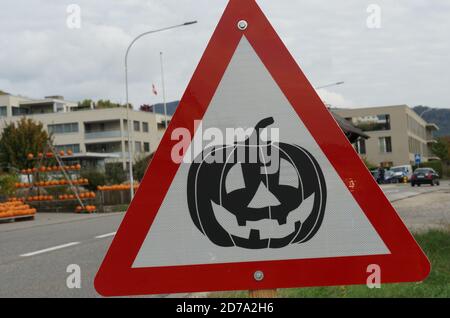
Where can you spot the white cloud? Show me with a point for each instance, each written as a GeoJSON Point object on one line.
{"type": "Point", "coordinates": [334, 99]}
{"type": "Point", "coordinates": [406, 61]}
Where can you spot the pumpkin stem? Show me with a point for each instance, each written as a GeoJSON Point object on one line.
{"type": "Point", "coordinates": [264, 123]}
{"type": "Point", "coordinates": [261, 125]}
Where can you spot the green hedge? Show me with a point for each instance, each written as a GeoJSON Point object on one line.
{"type": "Point", "coordinates": [436, 165]}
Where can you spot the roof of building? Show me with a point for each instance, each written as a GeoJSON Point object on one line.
{"type": "Point", "coordinates": [352, 132]}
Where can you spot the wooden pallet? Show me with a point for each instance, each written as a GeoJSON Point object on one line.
{"type": "Point", "coordinates": [15, 218]}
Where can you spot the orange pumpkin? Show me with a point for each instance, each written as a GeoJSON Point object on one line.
{"type": "Point", "coordinates": [69, 152]}
{"type": "Point", "coordinates": [40, 155]}
{"type": "Point", "coordinates": [30, 156]}
{"type": "Point", "coordinates": [62, 153]}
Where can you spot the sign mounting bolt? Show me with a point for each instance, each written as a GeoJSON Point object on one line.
{"type": "Point", "coordinates": [242, 25]}
{"type": "Point", "coordinates": [258, 276]}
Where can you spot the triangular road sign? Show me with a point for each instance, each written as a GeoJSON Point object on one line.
{"type": "Point", "coordinates": [305, 212]}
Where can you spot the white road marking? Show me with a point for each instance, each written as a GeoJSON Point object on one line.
{"type": "Point", "coordinates": [50, 249]}
{"type": "Point", "coordinates": [105, 235]}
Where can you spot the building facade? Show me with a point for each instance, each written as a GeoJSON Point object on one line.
{"type": "Point", "coordinates": [96, 134]}
{"type": "Point", "coordinates": [397, 134]}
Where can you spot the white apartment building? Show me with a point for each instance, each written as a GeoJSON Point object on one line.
{"type": "Point", "coordinates": [397, 134]}
{"type": "Point", "coordinates": [92, 134]}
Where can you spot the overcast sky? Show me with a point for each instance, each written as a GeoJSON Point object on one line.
{"type": "Point", "coordinates": [406, 60]}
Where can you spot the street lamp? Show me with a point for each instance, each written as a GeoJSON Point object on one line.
{"type": "Point", "coordinates": [126, 93]}
{"type": "Point", "coordinates": [330, 85]}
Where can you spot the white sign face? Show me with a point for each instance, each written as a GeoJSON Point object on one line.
{"type": "Point", "coordinates": [308, 211]}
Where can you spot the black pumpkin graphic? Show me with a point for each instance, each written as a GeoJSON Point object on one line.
{"type": "Point", "coordinates": [207, 191]}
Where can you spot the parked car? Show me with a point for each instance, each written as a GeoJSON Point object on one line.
{"type": "Point", "coordinates": [390, 177]}
{"type": "Point", "coordinates": [425, 176]}
{"type": "Point", "coordinates": [398, 173]}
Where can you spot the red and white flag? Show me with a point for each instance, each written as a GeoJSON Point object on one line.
{"type": "Point", "coordinates": [154, 89]}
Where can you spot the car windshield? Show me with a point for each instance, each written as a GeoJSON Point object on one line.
{"type": "Point", "coordinates": [398, 169]}
{"type": "Point", "coordinates": [422, 170]}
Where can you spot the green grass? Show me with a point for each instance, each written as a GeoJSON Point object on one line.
{"type": "Point", "coordinates": [436, 245]}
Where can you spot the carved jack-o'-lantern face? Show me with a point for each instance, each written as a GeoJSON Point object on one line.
{"type": "Point", "coordinates": [249, 204]}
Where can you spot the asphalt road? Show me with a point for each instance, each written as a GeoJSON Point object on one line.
{"type": "Point", "coordinates": [34, 255]}
{"type": "Point", "coordinates": [396, 192]}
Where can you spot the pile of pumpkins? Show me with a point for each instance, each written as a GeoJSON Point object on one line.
{"type": "Point", "coordinates": [39, 198]}
{"type": "Point", "coordinates": [83, 195]}
{"type": "Point", "coordinates": [116, 187]}
{"type": "Point", "coordinates": [81, 181]}
{"type": "Point", "coordinates": [87, 209]}
{"type": "Point", "coordinates": [15, 208]}
{"type": "Point", "coordinates": [44, 169]}
{"type": "Point", "coordinates": [40, 155]}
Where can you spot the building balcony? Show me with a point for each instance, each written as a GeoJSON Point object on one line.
{"type": "Point", "coordinates": [103, 134]}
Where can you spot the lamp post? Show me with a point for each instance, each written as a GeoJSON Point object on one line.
{"type": "Point", "coordinates": [126, 93]}
{"type": "Point", "coordinates": [330, 85]}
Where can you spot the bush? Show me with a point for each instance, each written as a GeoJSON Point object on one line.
{"type": "Point", "coordinates": [95, 179]}
{"type": "Point", "coordinates": [140, 167]}
{"type": "Point", "coordinates": [369, 165]}
{"type": "Point", "coordinates": [7, 184]}
{"type": "Point", "coordinates": [436, 165]}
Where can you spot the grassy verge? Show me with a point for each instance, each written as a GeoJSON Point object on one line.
{"type": "Point", "coordinates": [436, 245]}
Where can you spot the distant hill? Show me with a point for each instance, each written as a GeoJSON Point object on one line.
{"type": "Point", "coordinates": [438, 116]}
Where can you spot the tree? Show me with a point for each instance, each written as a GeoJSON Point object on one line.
{"type": "Point", "coordinates": [441, 149]}
{"type": "Point", "coordinates": [140, 167]}
{"type": "Point", "coordinates": [86, 103]}
{"type": "Point", "coordinates": [114, 173]}
{"type": "Point", "coordinates": [18, 140]}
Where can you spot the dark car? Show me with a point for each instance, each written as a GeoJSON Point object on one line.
{"type": "Point", "coordinates": [424, 176]}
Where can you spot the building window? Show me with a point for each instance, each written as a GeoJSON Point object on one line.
{"type": "Point", "coordinates": [360, 146]}
{"type": "Point", "coordinates": [137, 146]}
{"type": "Point", "coordinates": [75, 148]}
{"type": "Point", "coordinates": [373, 122]}
{"type": "Point", "coordinates": [416, 128]}
{"type": "Point", "coordinates": [137, 126]}
{"type": "Point", "coordinates": [17, 111]}
{"type": "Point", "coordinates": [415, 146]}
{"type": "Point", "coordinates": [63, 128]}
{"type": "Point", "coordinates": [145, 127]}
{"type": "Point", "coordinates": [2, 111]}
{"type": "Point", "coordinates": [385, 144]}
{"type": "Point", "coordinates": [146, 147]}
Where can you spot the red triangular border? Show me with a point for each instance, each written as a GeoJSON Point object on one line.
{"type": "Point", "coordinates": [116, 276]}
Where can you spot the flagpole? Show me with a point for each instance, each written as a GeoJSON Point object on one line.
{"type": "Point", "coordinates": [164, 89]}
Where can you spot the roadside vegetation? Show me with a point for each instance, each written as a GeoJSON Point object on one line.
{"type": "Point", "coordinates": [436, 245]}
